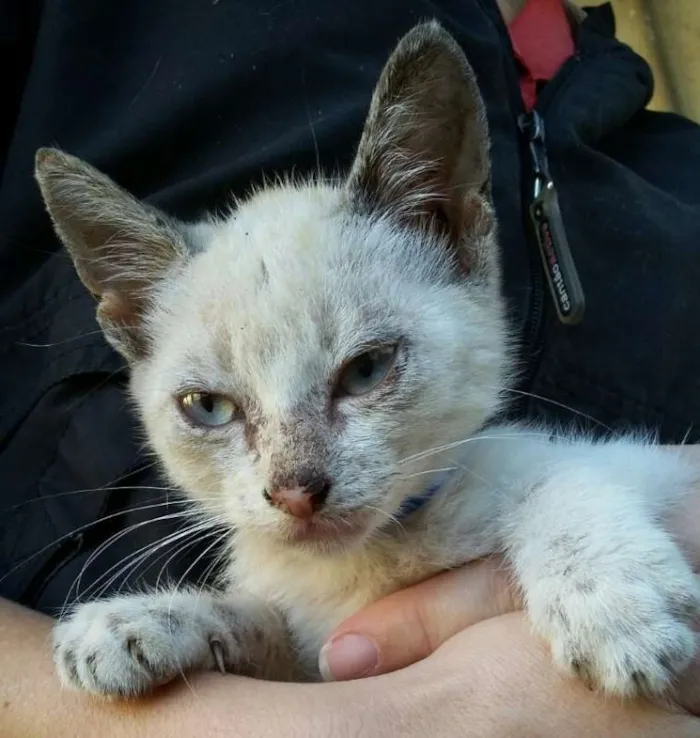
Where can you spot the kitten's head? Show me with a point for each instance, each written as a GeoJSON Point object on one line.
{"type": "Point", "coordinates": [297, 363]}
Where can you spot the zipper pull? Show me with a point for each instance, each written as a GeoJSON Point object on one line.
{"type": "Point", "coordinates": [548, 224]}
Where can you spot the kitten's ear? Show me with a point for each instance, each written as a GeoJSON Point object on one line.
{"type": "Point", "coordinates": [121, 247]}
{"type": "Point", "coordinates": [424, 152]}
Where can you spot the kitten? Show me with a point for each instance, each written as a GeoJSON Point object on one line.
{"type": "Point", "coordinates": [319, 369]}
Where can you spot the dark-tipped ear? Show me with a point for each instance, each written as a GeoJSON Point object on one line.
{"type": "Point", "coordinates": [424, 152]}
{"type": "Point", "coordinates": [121, 247]}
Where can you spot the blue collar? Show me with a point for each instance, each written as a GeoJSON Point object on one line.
{"type": "Point", "coordinates": [413, 504]}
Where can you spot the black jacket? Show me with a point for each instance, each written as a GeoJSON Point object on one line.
{"type": "Point", "coordinates": [183, 102]}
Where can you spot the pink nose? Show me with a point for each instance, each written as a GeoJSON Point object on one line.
{"type": "Point", "coordinates": [301, 501]}
{"type": "Point", "coordinates": [294, 500]}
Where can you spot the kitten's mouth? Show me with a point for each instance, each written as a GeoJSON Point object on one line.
{"type": "Point", "coordinates": [326, 530]}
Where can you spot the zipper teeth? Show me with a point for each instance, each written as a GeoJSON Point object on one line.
{"type": "Point", "coordinates": [534, 317]}
{"type": "Point", "coordinates": [534, 325]}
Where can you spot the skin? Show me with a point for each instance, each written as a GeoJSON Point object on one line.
{"type": "Point", "coordinates": [492, 679]}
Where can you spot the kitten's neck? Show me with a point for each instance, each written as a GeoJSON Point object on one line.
{"type": "Point", "coordinates": [344, 579]}
{"type": "Point", "coordinates": [391, 542]}
{"type": "Point", "coordinates": [417, 502]}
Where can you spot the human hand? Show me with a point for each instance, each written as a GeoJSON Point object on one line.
{"type": "Point", "coordinates": [491, 677]}
{"type": "Point", "coordinates": [495, 679]}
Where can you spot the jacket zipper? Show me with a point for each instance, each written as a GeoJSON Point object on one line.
{"type": "Point", "coordinates": [548, 229]}
{"type": "Point", "coordinates": [532, 334]}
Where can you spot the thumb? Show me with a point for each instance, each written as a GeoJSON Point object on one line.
{"type": "Point", "coordinates": [409, 625]}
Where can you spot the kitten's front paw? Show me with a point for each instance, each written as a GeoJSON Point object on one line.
{"type": "Point", "coordinates": [626, 633]}
{"type": "Point", "coordinates": [126, 646]}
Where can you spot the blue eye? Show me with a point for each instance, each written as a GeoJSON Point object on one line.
{"type": "Point", "coordinates": [207, 408]}
{"type": "Point", "coordinates": [366, 371]}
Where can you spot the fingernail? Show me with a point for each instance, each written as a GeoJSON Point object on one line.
{"type": "Point", "coordinates": [347, 657]}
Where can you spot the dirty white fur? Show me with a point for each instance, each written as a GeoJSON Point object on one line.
{"type": "Point", "coordinates": [266, 307]}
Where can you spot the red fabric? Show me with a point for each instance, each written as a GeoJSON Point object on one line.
{"type": "Point", "coordinates": [542, 41]}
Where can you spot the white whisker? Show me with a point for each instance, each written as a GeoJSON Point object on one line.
{"type": "Point", "coordinates": [555, 403]}
{"type": "Point", "coordinates": [111, 541]}
{"type": "Point", "coordinates": [471, 439]}
{"type": "Point", "coordinates": [426, 472]}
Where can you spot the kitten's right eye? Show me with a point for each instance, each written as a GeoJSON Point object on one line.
{"type": "Point", "coordinates": [207, 408]}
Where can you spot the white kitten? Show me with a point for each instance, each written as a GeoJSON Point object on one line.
{"type": "Point", "coordinates": [309, 366]}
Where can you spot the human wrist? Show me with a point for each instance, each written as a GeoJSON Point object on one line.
{"type": "Point", "coordinates": [367, 708]}
{"type": "Point", "coordinates": [209, 704]}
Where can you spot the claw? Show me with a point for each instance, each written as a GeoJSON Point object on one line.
{"type": "Point", "coordinates": [217, 651]}
{"type": "Point", "coordinates": [136, 654]}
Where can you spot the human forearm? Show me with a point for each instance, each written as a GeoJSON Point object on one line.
{"type": "Point", "coordinates": [33, 704]}
{"type": "Point", "coordinates": [495, 679]}
{"type": "Point", "coordinates": [31, 700]}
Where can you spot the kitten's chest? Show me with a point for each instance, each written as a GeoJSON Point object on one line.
{"type": "Point", "coordinates": [318, 592]}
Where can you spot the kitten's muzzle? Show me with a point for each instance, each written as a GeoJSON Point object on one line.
{"type": "Point", "coordinates": [300, 498]}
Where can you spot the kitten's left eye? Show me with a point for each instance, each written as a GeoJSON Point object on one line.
{"type": "Point", "coordinates": [207, 408]}
{"type": "Point", "coordinates": [366, 371]}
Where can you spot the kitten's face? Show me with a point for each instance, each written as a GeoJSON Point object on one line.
{"type": "Point", "coordinates": [267, 320]}
{"type": "Point", "coordinates": [323, 338]}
